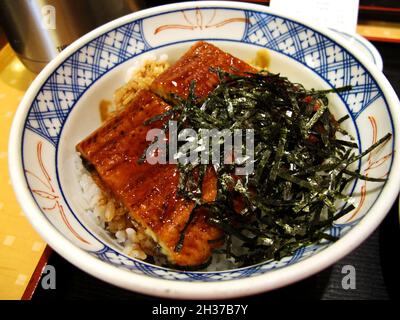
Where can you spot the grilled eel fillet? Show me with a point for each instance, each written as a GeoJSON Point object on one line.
{"type": "Point", "coordinates": [149, 192]}
{"type": "Point", "coordinates": [195, 66]}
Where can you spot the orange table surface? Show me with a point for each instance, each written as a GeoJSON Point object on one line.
{"type": "Point", "coordinates": [21, 248]}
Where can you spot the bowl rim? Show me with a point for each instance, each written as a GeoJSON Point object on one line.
{"type": "Point", "coordinates": [367, 45]}
{"type": "Point", "coordinates": [198, 290]}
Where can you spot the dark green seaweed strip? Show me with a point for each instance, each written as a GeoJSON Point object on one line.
{"type": "Point", "coordinates": [300, 167]}
{"type": "Point", "coordinates": [363, 177]}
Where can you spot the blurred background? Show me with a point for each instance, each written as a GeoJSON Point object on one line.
{"type": "Point", "coordinates": [32, 32]}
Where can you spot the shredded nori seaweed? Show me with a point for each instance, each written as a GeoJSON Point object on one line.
{"type": "Point", "coordinates": [301, 167]}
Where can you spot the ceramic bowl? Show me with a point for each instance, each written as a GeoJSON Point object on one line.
{"type": "Point", "coordinates": [61, 107]}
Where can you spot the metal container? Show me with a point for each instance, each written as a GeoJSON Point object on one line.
{"type": "Point", "coordinates": [38, 30]}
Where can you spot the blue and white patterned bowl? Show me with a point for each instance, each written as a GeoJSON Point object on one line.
{"type": "Point", "coordinates": [60, 108]}
{"type": "Point", "coordinates": [366, 48]}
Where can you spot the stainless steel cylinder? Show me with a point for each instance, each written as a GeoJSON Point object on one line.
{"type": "Point", "coordinates": [38, 30]}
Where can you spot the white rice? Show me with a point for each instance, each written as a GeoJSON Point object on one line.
{"type": "Point", "coordinates": [103, 211]}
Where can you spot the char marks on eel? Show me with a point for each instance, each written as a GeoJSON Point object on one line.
{"type": "Point", "coordinates": [149, 192]}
